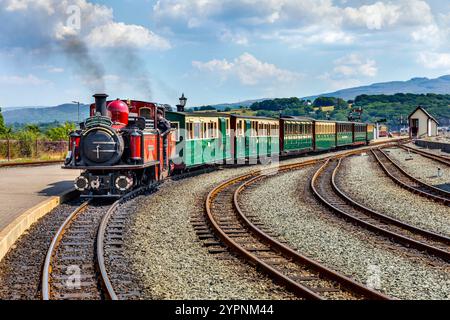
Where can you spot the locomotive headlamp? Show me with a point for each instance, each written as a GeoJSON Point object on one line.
{"type": "Point", "coordinates": [183, 101]}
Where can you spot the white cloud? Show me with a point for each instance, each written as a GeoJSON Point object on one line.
{"type": "Point", "coordinates": [355, 65]}
{"type": "Point", "coordinates": [375, 16]}
{"type": "Point", "coordinates": [435, 60]}
{"type": "Point", "coordinates": [49, 68]}
{"type": "Point", "coordinates": [28, 80]}
{"type": "Point", "coordinates": [248, 69]}
{"type": "Point", "coordinates": [97, 24]}
{"type": "Point", "coordinates": [348, 71]}
{"type": "Point", "coordinates": [18, 5]}
{"type": "Point", "coordinates": [123, 35]}
{"type": "Point", "coordinates": [237, 38]}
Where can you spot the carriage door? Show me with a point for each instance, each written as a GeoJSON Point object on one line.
{"type": "Point", "coordinates": [248, 133]}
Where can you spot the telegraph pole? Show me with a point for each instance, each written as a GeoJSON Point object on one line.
{"type": "Point", "coordinates": [78, 103]}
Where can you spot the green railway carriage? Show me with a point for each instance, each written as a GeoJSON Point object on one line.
{"type": "Point", "coordinates": [325, 135]}
{"type": "Point", "coordinates": [202, 138]}
{"type": "Point", "coordinates": [296, 135]}
{"type": "Point", "coordinates": [359, 133]}
{"type": "Point", "coordinates": [344, 134]}
{"type": "Point", "coordinates": [254, 137]}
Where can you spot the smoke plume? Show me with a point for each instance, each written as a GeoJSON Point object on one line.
{"type": "Point", "coordinates": [89, 69]}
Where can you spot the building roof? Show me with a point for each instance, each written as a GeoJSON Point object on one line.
{"type": "Point", "coordinates": [424, 111]}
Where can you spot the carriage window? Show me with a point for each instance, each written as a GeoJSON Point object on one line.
{"type": "Point", "coordinates": [145, 113]}
{"type": "Point", "coordinates": [197, 131]}
{"type": "Point", "coordinates": [189, 134]}
{"type": "Point", "coordinates": [228, 127]}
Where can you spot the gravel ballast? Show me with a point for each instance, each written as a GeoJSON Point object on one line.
{"type": "Point", "coordinates": [20, 269]}
{"type": "Point", "coordinates": [422, 168]}
{"type": "Point", "coordinates": [169, 260]}
{"type": "Point", "coordinates": [362, 179]}
{"type": "Point", "coordinates": [285, 204]}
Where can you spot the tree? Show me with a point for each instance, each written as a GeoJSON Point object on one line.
{"type": "Point", "coordinates": [61, 133]}
{"type": "Point", "coordinates": [32, 128]}
{"type": "Point", "coordinates": [2, 124]}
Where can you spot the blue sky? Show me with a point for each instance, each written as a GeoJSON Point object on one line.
{"type": "Point", "coordinates": [54, 51]}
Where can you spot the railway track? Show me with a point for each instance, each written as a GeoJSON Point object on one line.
{"type": "Point", "coordinates": [31, 163]}
{"type": "Point", "coordinates": [75, 268]}
{"type": "Point", "coordinates": [326, 190]}
{"type": "Point", "coordinates": [403, 179]}
{"type": "Point", "coordinates": [435, 157]}
{"type": "Point", "coordinates": [247, 237]}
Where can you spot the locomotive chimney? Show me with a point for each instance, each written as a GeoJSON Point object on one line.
{"type": "Point", "coordinates": [100, 104]}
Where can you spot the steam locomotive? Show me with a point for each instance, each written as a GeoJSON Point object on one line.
{"type": "Point", "coordinates": [119, 148]}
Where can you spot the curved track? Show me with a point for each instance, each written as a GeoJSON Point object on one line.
{"type": "Point", "coordinates": [74, 268]}
{"type": "Point", "coordinates": [305, 277]}
{"type": "Point", "coordinates": [435, 157]}
{"type": "Point", "coordinates": [403, 179]}
{"type": "Point", "coordinates": [325, 189]}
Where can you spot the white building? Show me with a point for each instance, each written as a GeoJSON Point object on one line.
{"type": "Point", "coordinates": [422, 124]}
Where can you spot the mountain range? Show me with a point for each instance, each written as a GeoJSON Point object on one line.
{"type": "Point", "coordinates": [61, 113]}
{"type": "Point", "coordinates": [69, 112]}
{"type": "Point", "coordinates": [439, 85]}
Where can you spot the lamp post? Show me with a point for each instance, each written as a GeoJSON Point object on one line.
{"type": "Point", "coordinates": [183, 100]}
{"type": "Point", "coordinates": [78, 103]}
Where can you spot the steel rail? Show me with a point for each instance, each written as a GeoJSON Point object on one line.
{"type": "Point", "coordinates": [100, 240]}
{"type": "Point", "coordinates": [29, 164]}
{"type": "Point", "coordinates": [346, 282]}
{"type": "Point", "coordinates": [275, 246]}
{"type": "Point", "coordinates": [99, 259]}
{"type": "Point", "coordinates": [430, 192]}
{"type": "Point", "coordinates": [47, 268]}
{"type": "Point", "coordinates": [435, 157]}
{"type": "Point", "coordinates": [332, 203]}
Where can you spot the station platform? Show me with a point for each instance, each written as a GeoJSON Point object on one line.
{"type": "Point", "coordinates": [442, 144]}
{"type": "Point", "coordinates": [22, 188]}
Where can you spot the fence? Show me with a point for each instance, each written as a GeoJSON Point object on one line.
{"type": "Point", "coordinates": [32, 149]}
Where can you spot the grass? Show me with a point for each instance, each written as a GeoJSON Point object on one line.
{"type": "Point", "coordinates": [41, 157]}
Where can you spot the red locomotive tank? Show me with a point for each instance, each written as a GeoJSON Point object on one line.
{"type": "Point", "coordinates": [118, 112]}
{"type": "Point", "coordinates": [135, 146]}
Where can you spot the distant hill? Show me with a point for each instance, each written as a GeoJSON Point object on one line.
{"type": "Point", "coordinates": [223, 106]}
{"type": "Point", "coordinates": [61, 113]}
{"type": "Point", "coordinates": [440, 85]}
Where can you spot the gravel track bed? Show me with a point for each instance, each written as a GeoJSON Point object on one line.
{"type": "Point", "coordinates": [285, 205]}
{"type": "Point", "coordinates": [179, 267]}
{"type": "Point", "coordinates": [20, 269]}
{"type": "Point", "coordinates": [363, 180]}
{"type": "Point", "coordinates": [122, 277]}
{"type": "Point", "coordinates": [437, 152]}
{"type": "Point", "coordinates": [422, 168]}
{"type": "Point", "coordinates": [171, 262]}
